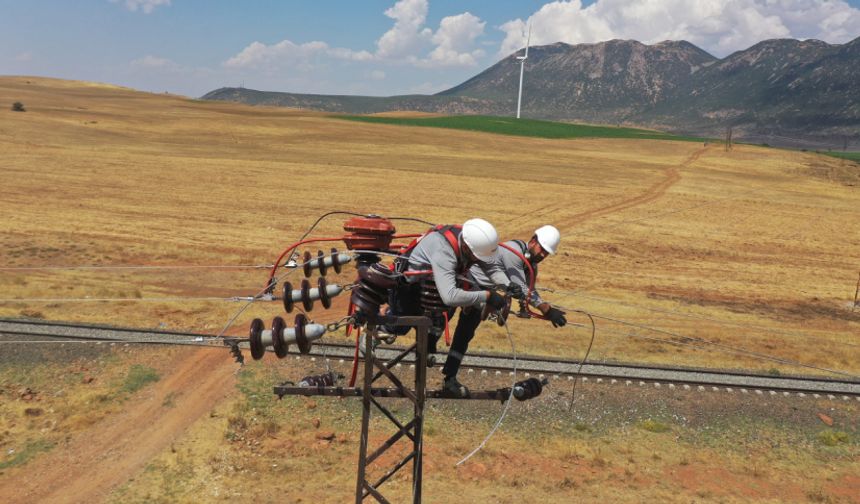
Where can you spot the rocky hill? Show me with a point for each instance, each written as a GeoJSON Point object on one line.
{"type": "Point", "coordinates": [781, 91]}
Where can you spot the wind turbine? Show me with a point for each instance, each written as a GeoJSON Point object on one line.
{"type": "Point", "coordinates": [522, 69]}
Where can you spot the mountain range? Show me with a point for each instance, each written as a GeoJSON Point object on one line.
{"type": "Point", "coordinates": [783, 91]}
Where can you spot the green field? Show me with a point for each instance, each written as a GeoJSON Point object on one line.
{"type": "Point", "coordinates": [521, 127]}
{"type": "Point", "coordinates": [853, 156]}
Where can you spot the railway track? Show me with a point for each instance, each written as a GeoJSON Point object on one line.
{"type": "Point", "coordinates": [612, 374]}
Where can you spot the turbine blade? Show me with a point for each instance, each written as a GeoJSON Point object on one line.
{"type": "Point", "coordinates": [528, 39]}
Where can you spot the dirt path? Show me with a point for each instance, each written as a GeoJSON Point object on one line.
{"type": "Point", "coordinates": [116, 448]}
{"type": "Point", "coordinates": [671, 177]}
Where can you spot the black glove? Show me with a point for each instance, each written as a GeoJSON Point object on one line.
{"type": "Point", "coordinates": [495, 301]}
{"type": "Point", "coordinates": [556, 316]}
{"type": "Point", "coordinates": [515, 291]}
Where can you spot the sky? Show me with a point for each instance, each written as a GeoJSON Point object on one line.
{"type": "Point", "coordinates": [367, 47]}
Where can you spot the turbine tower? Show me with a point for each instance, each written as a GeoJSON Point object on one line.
{"type": "Point", "coordinates": [522, 69]}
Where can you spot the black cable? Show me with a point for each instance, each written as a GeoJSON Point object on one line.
{"type": "Point", "coordinates": [413, 219]}
{"type": "Point", "coordinates": [316, 223]}
{"type": "Point", "coordinates": [584, 359]}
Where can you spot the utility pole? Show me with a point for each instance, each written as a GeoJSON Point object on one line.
{"type": "Point", "coordinates": [728, 138]}
{"type": "Point", "coordinates": [856, 293]}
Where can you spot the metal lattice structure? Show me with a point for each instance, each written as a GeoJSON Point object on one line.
{"type": "Point", "coordinates": [411, 429]}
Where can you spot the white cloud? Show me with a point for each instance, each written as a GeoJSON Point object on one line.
{"type": "Point", "coordinates": [408, 41]}
{"type": "Point", "coordinates": [286, 52]}
{"type": "Point", "coordinates": [147, 6]}
{"type": "Point", "coordinates": [24, 57]}
{"type": "Point", "coordinates": [718, 26]}
{"type": "Point", "coordinates": [408, 35]}
{"type": "Point", "coordinates": [153, 62]}
{"type": "Point", "coordinates": [455, 41]}
{"type": "Point", "coordinates": [377, 75]}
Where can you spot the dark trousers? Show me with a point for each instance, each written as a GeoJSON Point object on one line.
{"type": "Point", "coordinates": [467, 323]}
{"type": "Point", "coordinates": [405, 300]}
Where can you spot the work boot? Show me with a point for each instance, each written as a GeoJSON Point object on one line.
{"type": "Point", "coordinates": [453, 388]}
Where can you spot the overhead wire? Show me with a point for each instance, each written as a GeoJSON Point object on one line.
{"type": "Point", "coordinates": [723, 346]}
{"type": "Point", "coordinates": [282, 276]}
{"type": "Point", "coordinates": [698, 317]}
{"type": "Point", "coordinates": [119, 300]}
{"type": "Point", "coordinates": [112, 342]}
{"type": "Point", "coordinates": [137, 267]}
{"type": "Point", "coordinates": [286, 273]}
{"type": "Point", "coordinates": [507, 403]}
{"type": "Point", "coordinates": [703, 341]}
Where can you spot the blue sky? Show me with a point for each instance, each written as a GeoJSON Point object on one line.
{"type": "Point", "coordinates": [375, 47]}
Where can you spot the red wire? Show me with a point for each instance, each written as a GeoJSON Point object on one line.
{"type": "Point", "coordinates": [531, 280]}
{"type": "Point", "coordinates": [312, 240]}
{"type": "Point", "coordinates": [417, 272]}
{"type": "Point", "coordinates": [355, 357]}
{"type": "Point", "coordinates": [447, 333]}
{"type": "Point", "coordinates": [350, 311]}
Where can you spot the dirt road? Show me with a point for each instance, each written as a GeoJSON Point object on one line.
{"type": "Point", "coordinates": [672, 176]}
{"type": "Point", "coordinates": [118, 447]}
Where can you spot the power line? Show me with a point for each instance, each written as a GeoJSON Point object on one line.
{"type": "Point", "coordinates": [721, 346]}
{"type": "Point", "coordinates": [137, 267]}
{"type": "Point", "coordinates": [122, 300]}
{"type": "Point", "coordinates": [700, 317]}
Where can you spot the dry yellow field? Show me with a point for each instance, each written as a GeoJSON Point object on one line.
{"type": "Point", "coordinates": [756, 248]}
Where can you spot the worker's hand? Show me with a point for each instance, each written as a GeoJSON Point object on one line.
{"type": "Point", "coordinates": [495, 301]}
{"type": "Point", "coordinates": [556, 316]}
{"type": "Point", "coordinates": [515, 291]}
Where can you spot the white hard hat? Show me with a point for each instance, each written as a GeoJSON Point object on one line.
{"type": "Point", "coordinates": [482, 238]}
{"type": "Point", "coordinates": [548, 237]}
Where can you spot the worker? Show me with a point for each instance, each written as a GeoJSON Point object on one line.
{"type": "Point", "coordinates": [542, 244]}
{"type": "Point", "coordinates": [449, 252]}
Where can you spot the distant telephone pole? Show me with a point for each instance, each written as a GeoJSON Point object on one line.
{"type": "Point", "coordinates": [728, 138]}
{"type": "Point", "coordinates": [856, 293]}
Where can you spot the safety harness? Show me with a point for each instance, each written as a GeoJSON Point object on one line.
{"type": "Point", "coordinates": [524, 249]}
{"type": "Point", "coordinates": [451, 232]}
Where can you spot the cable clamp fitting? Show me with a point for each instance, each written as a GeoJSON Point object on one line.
{"type": "Point", "coordinates": [335, 326]}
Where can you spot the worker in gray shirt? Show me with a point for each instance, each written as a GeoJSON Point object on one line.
{"type": "Point", "coordinates": [446, 254]}
{"type": "Point", "coordinates": [543, 243]}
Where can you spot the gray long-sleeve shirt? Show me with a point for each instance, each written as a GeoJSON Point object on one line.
{"type": "Point", "coordinates": [513, 267]}
{"type": "Point", "coordinates": [435, 253]}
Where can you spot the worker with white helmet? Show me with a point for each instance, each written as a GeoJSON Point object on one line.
{"type": "Point", "coordinates": [450, 252]}
{"type": "Point", "coordinates": [544, 243]}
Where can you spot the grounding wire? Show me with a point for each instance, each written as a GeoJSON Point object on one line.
{"type": "Point", "coordinates": [722, 346]}
{"type": "Point", "coordinates": [582, 362]}
{"type": "Point", "coordinates": [507, 403]}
